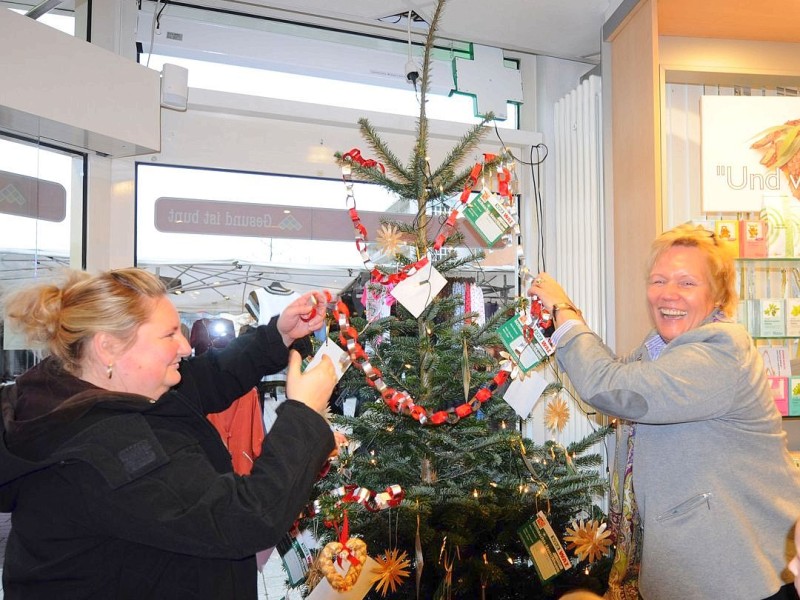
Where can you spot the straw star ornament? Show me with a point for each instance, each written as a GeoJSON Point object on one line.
{"type": "Point", "coordinates": [556, 414]}
{"type": "Point", "coordinates": [389, 239]}
{"type": "Point", "coordinates": [391, 570]}
{"type": "Point", "coordinates": [589, 540]}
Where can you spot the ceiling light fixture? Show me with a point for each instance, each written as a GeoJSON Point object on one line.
{"type": "Point", "coordinates": [42, 8]}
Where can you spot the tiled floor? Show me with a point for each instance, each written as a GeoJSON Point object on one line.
{"type": "Point", "coordinates": [5, 527]}
{"type": "Point", "coordinates": [272, 581]}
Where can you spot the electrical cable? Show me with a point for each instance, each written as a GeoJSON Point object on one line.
{"type": "Point", "coordinates": [412, 72]}
{"type": "Point", "coordinates": [408, 32]}
{"type": "Point", "coordinates": [536, 177]}
{"type": "Point", "coordinates": [550, 362]}
{"type": "Point", "coordinates": [156, 17]}
{"type": "Point", "coordinates": [535, 168]}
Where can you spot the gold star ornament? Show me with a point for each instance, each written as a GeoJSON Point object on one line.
{"type": "Point", "coordinates": [556, 414]}
{"type": "Point", "coordinates": [589, 540]}
{"type": "Point", "coordinates": [389, 239]}
{"type": "Point", "coordinates": [391, 570]}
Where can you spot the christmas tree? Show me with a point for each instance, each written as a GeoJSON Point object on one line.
{"type": "Point", "coordinates": [431, 420]}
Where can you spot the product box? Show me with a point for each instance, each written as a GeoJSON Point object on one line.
{"type": "Point", "coordinates": [793, 317]}
{"type": "Point", "coordinates": [752, 239]}
{"type": "Point", "coordinates": [794, 396]}
{"type": "Point", "coordinates": [776, 361]}
{"type": "Point", "coordinates": [783, 226]}
{"type": "Point", "coordinates": [707, 224]}
{"type": "Point", "coordinates": [779, 386]}
{"type": "Point", "coordinates": [771, 319]}
{"type": "Point", "coordinates": [743, 309]}
{"type": "Point", "coordinates": [728, 231]}
{"type": "Point", "coordinates": [796, 237]}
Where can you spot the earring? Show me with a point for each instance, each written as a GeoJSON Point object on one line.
{"type": "Point", "coordinates": [110, 370]}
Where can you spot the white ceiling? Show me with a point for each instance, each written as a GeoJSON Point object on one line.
{"type": "Point", "coordinates": [570, 30]}
{"type": "Point", "coordinates": [565, 29]}
{"type": "Point", "coordinates": [561, 28]}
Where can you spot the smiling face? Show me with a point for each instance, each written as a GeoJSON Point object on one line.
{"type": "Point", "coordinates": [150, 365]}
{"type": "Point", "coordinates": [679, 291]}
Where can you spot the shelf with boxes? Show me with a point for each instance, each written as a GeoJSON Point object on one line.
{"type": "Point", "coordinates": [769, 297]}
{"type": "Point", "coordinates": [784, 385]}
{"type": "Point", "coordinates": [769, 306]}
{"type": "Point", "coordinates": [767, 251]}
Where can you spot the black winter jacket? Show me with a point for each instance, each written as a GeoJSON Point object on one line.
{"type": "Point", "coordinates": [114, 496]}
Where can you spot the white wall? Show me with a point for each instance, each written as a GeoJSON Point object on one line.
{"type": "Point", "coordinates": [56, 87]}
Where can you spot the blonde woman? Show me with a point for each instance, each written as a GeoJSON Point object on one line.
{"type": "Point", "coordinates": [705, 489]}
{"type": "Point", "coordinates": [118, 485]}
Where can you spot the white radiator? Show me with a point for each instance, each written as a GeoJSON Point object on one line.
{"type": "Point", "coordinates": [580, 245]}
{"type": "Point", "coordinates": [577, 260]}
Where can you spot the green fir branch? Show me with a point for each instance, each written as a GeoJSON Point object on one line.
{"type": "Point", "coordinates": [460, 152]}
{"type": "Point", "coordinates": [384, 155]}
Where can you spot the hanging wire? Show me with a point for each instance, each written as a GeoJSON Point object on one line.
{"type": "Point", "coordinates": [557, 374]}
{"type": "Point", "coordinates": [153, 27]}
{"type": "Point", "coordinates": [535, 165]}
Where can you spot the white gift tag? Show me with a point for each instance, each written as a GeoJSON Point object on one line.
{"type": "Point", "coordinates": [418, 291]}
{"type": "Point", "coordinates": [349, 406]}
{"type": "Point", "coordinates": [324, 591]}
{"type": "Point", "coordinates": [340, 358]}
{"type": "Point", "coordinates": [522, 395]}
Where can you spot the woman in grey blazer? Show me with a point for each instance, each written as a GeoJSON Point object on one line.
{"type": "Point", "coordinates": [705, 491]}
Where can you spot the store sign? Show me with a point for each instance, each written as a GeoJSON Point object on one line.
{"type": "Point", "coordinates": [213, 217]}
{"type": "Point", "coordinates": [24, 196]}
{"type": "Point", "coordinates": [750, 150]}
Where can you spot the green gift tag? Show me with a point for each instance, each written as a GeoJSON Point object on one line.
{"type": "Point", "coordinates": [549, 557]}
{"type": "Point", "coordinates": [489, 217]}
{"type": "Point", "coordinates": [528, 353]}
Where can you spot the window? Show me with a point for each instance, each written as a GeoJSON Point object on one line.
{"type": "Point", "coordinates": [214, 235]}
{"type": "Point", "coordinates": [255, 56]}
{"type": "Point", "coordinates": [41, 216]}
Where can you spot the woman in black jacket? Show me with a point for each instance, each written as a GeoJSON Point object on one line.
{"type": "Point", "coordinates": [118, 485]}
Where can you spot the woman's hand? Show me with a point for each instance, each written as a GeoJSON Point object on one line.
{"type": "Point", "coordinates": [548, 291]}
{"type": "Point", "coordinates": [341, 442]}
{"type": "Point", "coordinates": [302, 317]}
{"type": "Point", "coordinates": [314, 386]}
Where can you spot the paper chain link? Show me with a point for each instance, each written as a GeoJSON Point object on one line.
{"type": "Point", "coordinates": [399, 401]}
{"type": "Point", "coordinates": [354, 155]}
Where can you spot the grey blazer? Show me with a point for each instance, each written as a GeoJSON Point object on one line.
{"type": "Point", "coordinates": [717, 490]}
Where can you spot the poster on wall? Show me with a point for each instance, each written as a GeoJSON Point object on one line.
{"type": "Point", "coordinates": [750, 150]}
